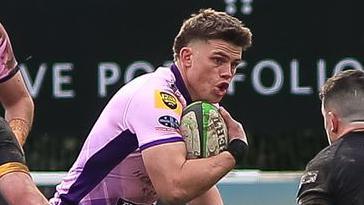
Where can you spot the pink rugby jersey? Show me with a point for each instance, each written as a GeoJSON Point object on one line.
{"type": "Point", "coordinates": [109, 169]}
{"type": "Point", "coordinates": [8, 63]}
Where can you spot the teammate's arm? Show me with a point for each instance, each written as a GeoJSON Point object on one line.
{"type": "Point", "coordinates": [178, 180]}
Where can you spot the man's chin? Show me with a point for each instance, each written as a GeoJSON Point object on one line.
{"type": "Point", "coordinates": [216, 99]}
{"type": "Point", "coordinates": [213, 98]}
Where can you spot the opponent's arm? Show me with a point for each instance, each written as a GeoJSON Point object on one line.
{"type": "Point", "coordinates": [178, 180]}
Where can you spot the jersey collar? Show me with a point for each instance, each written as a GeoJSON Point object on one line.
{"type": "Point", "coordinates": [180, 84]}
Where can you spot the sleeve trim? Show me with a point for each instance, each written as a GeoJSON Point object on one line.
{"type": "Point", "coordinates": [161, 141]}
{"type": "Point", "coordinates": [13, 167]}
{"type": "Point", "coordinates": [10, 74]}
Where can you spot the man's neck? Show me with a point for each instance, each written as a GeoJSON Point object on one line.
{"type": "Point", "coordinates": [357, 126]}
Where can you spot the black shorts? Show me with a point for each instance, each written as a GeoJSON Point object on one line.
{"type": "Point", "coordinates": [11, 156]}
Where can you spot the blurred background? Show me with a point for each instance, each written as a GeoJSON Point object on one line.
{"type": "Point", "coordinates": [75, 55]}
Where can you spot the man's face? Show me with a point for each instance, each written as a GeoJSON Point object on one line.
{"type": "Point", "coordinates": [213, 65]}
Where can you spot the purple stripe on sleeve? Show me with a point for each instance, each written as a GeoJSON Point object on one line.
{"type": "Point", "coordinates": [10, 74]}
{"type": "Point", "coordinates": [99, 165]}
{"type": "Point", "coordinates": [161, 141]}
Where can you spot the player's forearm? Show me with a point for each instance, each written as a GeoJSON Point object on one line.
{"type": "Point", "coordinates": [212, 196]}
{"type": "Point", "coordinates": [197, 176]}
{"type": "Point", "coordinates": [201, 174]}
{"type": "Point", "coordinates": [20, 117]}
{"type": "Point", "coordinates": [17, 184]}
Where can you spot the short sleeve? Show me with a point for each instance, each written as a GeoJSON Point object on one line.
{"type": "Point", "coordinates": [315, 182]}
{"type": "Point", "coordinates": [8, 63]}
{"type": "Point", "coordinates": [154, 116]}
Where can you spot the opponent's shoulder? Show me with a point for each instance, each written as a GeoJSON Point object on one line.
{"type": "Point", "coordinates": [314, 186]}
{"type": "Point", "coordinates": [349, 157]}
{"type": "Point", "coordinates": [318, 169]}
{"type": "Point", "coordinates": [320, 175]}
{"type": "Point", "coordinates": [324, 158]}
{"type": "Point", "coordinates": [350, 145]}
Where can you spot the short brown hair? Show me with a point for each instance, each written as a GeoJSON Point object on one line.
{"type": "Point", "coordinates": [344, 92]}
{"type": "Point", "coordinates": [210, 24]}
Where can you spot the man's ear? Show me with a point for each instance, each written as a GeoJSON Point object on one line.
{"type": "Point", "coordinates": [185, 55]}
{"type": "Point", "coordinates": [334, 122]}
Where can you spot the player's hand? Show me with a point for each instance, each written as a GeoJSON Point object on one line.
{"type": "Point", "coordinates": [235, 128]}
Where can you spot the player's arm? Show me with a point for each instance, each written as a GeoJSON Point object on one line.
{"type": "Point", "coordinates": [14, 95]}
{"type": "Point", "coordinates": [16, 185]}
{"type": "Point", "coordinates": [18, 188]}
{"type": "Point", "coordinates": [212, 196]}
{"type": "Point", "coordinates": [178, 180]}
{"type": "Point", "coordinates": [18, 105]}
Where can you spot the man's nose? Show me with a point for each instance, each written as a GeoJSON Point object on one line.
{"type": "Point", "coordinates": [227, 72]}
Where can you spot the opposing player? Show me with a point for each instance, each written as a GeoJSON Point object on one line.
{"type": "Point", "coordinates": [16, 185]}
{"type": "Point", "coordinates": [335, 175]}
{"type": "Point", "coordinates": [134, 154]}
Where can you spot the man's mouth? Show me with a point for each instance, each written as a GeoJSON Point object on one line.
{"type": "Point", "coordinates": [222, 88]}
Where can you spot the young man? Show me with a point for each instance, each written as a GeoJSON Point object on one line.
{"type": "Point", "coordinates": [132, 156]}
{"type": "Point", "coordinates": [16, 185]}
{"type": "Point", "coordinates": [335, 175]}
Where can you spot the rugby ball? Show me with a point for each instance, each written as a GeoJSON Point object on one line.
{"type": "Point", "coordinates": [203, 129]}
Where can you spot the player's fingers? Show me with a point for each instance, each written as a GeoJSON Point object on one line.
{"type": "Point", "coordinates": [225, 114]}
{"type": "Point", "coordinates": [235, 128]}
{"type": "Point", "coordinates": [229, 120]}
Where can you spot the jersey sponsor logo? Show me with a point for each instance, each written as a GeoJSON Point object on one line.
{"type": "Point", "coordinates": [169, 121]}
{"type": "Point", "coordinates": [309, 177]}
{"type": "Point", "coordinates": [166, 100]}
{"type": "Point", "coordinates": [169, 100]}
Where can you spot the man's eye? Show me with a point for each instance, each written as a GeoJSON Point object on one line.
{"type": "Point", "coordinates": [218, 61]}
